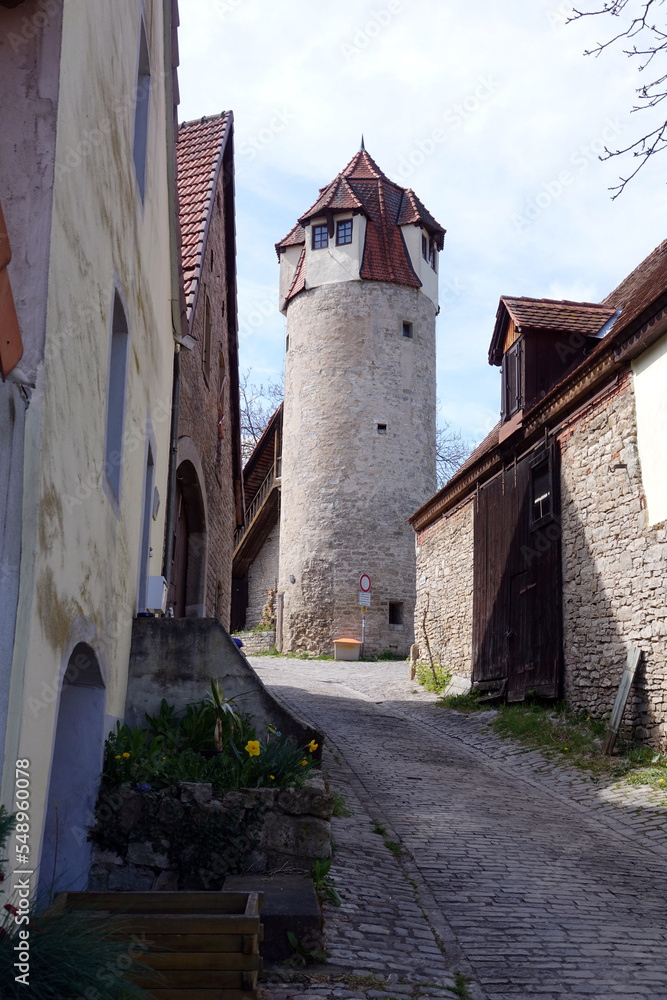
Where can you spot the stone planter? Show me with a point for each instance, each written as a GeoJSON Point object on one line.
{"type": "Point", "coordinates": [296, 830]}
{"type": "Point", "coordinates": [256, 642]}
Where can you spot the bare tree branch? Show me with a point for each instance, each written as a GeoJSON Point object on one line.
{"type": "Point", "coordinates": [258, 403]}
{"type": "Point", "coordinates": [649, 42]}
{"type": "Point", "coordinates": [450, 452]}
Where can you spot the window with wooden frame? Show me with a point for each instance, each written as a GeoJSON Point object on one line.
{"type": "Point", "coordinates": [432, 257]}
{"type": "Point", "coordinates": [541, 491]}
{"type": "Point", "coordinates": [343, 232]}
{"type": "Point", "coordinates": [512, 380]}
{"type": "Point", "coordinates": [320, 237]}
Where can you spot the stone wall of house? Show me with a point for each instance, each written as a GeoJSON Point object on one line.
{"type": "Point", "coordinates": [614, 567]}
{"type": "Point", "coordinates": [295, 832]}
{"type": "Point", "coordinates": [256, 642]}
{"type": "Point", "coordinates": [201, 390]}
{"type": "Point", "coordinates": [445, 589]}
{"type": "Point", "coordinates": [363, 396]}
{"type": "Point", "coordinates": [262, 577]}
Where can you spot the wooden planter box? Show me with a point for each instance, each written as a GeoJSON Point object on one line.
{"type": "Point", "coordinates": [203, 945]}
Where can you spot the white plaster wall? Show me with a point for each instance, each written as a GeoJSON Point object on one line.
{"type": "Point", "coordinates": [288, 262]}
{"type": "Point", "coordinates": [429, 278]}
{"type": "Point", "coordinates": [650, 384]}
{"type": "Point", "coordinates": [335, 263]}
{"type": "Point", "coordinates": [79, 560]}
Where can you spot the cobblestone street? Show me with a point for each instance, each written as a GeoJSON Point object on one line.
{"type": "Point", "coordinates": [525, 878]}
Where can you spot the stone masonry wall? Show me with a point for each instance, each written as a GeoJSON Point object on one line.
{"type": "Point", "coordinates": [614, 567]}
{"type": "Point", "coordinates": [445, 588]}
{"type": "Point", "coordinates": [198, 417]}
{"type": "Point", "coordinates": [262, 577]}
{"type": "Point", "coordinates": [346, 496]}
{"type": "Point", "coordinates": [295, 832]}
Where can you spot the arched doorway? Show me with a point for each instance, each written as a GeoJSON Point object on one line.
{"type": "Point", "coordinates": [187, 577]}
{"type": "Point", "coordinates": [75, 774]}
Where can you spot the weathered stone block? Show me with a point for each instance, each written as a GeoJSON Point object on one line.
{"type": "Point", "coordinates": [305, 836]}
{"type": "Point", "coordinates": [196, 791]}
{"type": "Point", "coordinates": [131, 878]}
{"type": "Point", "coordinates": [306, 801]}
{"type": "Point", "coordinates": [140, 853]}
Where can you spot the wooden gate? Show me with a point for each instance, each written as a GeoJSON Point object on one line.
{"type": "Point", "coordinates": [517, 592]}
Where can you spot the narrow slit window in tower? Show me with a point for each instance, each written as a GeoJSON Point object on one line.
{"type": "Point", "coordinates": [382, 428]}
{"type": "Point", "coordinates": [407, 329]}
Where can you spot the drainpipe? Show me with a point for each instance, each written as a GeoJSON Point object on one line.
{"type": "Point", "coordinates": [173, 455]}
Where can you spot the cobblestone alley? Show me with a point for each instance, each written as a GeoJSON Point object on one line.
{"type": "Point", "coordinates": [527, 879]}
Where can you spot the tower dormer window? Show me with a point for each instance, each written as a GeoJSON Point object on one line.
{"type": "Point", "coordinates": [320, 237]}
{"type": "Point", "coordinates": [343, 232]}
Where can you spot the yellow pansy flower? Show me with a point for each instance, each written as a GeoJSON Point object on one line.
{"type": "Point", "coordinates": [126, 754]}
{"type": "Point", "coordinates": [117, 756]}
{"type": "Point", "coordinates": [252, 746]}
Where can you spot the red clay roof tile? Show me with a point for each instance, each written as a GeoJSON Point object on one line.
{"type": "Point", "coordinates": [199, 153]}
{"type": "Point", "coordinates": [362, 187]}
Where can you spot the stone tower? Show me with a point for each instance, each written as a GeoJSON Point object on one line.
{"type": "Point", "coordinates": [359, 288]}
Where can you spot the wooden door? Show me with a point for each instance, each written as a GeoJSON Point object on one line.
{"type": "Point", "coordinates": [517, 593]}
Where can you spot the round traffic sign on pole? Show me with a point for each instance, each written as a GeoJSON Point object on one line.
{"type": "Point", "coordinates": [365, 583]}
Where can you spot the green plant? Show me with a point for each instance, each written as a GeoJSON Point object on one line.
{"type": "Point", "coordinates": [301, 954]}
{"type": "Point", "coordinates": [464, 702]}
{"type": "Point", "coordinates": [227, 718]}
{"type": "Point", "coordinates": [341, 807]}
{"type": "Point", "coordinates": [324, 883]}
{"type": "Point", "coordinates": [393, 846]}
{"type": "Point", "coordinates": [379, 829]}
{"type": "Point", "coordinates": [436, 679]}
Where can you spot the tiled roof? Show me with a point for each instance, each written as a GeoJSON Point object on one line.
{"type": "Point", "coordinates": [559, 315]}
{"type": "Point", "coordinates": [295, 238]}
{"type": "Point", "coordinates": [362, 187]}
{"type": "Point", "coordinates": [199, 155]}
{"type": "Point", "coordinates": [642, 286]}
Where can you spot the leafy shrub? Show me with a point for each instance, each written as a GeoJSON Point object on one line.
{"type": "Point", "coordinates": [436, 679]}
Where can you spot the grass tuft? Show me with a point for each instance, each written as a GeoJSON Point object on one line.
{"type": "Point", "coordinates": [465, 702]}
{"type": "Point", "coordinates": [436, 684]}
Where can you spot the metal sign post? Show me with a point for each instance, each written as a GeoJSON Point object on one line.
{"type": "Point", "coordinates": [364, 602]}
{"type": "Point", "coordinates": [363, 630]}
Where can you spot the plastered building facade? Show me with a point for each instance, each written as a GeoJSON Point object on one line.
{"type": "Point", "coordinates": [86, 183]}
{"type": "Point", "coordinates": [359, 289]}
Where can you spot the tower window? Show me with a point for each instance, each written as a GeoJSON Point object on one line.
{"type": "Point", "coordinates": [424, 247]}
{"type": "Point", "coordinates": [407, 330]}
{"type": "Point", "coordinates": [431, 254]}
{"type": "Point", "coordinates": [320, 237]}
{"type": "Point", "coordinates": [396, 612]}
{"type": "Point", "coordinates": [343, 232]}
{"type": "Point", "coordinates": [382, 428]}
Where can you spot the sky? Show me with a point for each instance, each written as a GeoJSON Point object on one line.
{"type": "Point", "coordinates": [490, 112]}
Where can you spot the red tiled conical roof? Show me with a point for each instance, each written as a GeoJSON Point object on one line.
{"type": "Point", "coordinates": [364, 189]}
